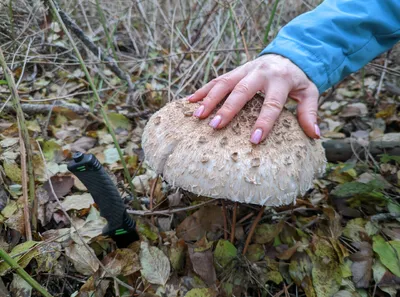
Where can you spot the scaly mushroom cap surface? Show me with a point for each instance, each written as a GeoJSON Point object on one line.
{"type": "Point", "coordinates": [223, 163]}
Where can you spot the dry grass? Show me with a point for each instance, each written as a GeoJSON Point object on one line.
{"type": "Point", "coordinates": [172, 47]}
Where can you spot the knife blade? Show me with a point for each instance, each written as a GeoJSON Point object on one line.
{"type": "Point", "coordinates": [120, 226]}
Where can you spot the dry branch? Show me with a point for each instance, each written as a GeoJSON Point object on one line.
{"type": "Point", "coordinates": [344, 149]}
{"type": "Point", "coordinates": [33, 109]}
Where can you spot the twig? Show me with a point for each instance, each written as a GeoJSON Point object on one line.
{"type": "Point", "coordinates": [22, 273]}
{"type": "Point", "coordinates": [223, 207]}
{"type": "Point", "coordinates": [70, 24]}
{"type": "Point", "coordinates": [153, 187]}
{"type": "Point", "coordinates": [28, 231]}
{"type": "Point", "coordinates": [378, 90]}
{"type": "Point", "coordinates": [253, 227]}
{"type": "Point", "coordinates": [233, 227]}
{"type": "Point", "coordinates": [24, 131]}
{"type": "Point", "coordinates": [168, 211]}
{"type": "Point", "coordinates": [33, 109]}
{"type": "Point", "coordinates": [91, 252]}
{"type": "Point", "coordinates": [99, 102]}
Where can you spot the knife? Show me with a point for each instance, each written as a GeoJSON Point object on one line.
{"type": "Point", "coordinates": [120, 226]}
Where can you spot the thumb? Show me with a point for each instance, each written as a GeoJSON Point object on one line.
{"type": "Point", "coordinates": [307, 113]}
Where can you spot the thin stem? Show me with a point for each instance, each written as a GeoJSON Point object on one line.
{"type": "Point", "coordinates": [99, 102]}
{"type": "Point", "coordinates": [24, 132]}
{"type": "Point", "coordinates": [223, 207]}
{"type": "Point", "coordinates": [233, 223]}
{"type": "Point", "coordinates": [270, 21]}
{"type": "Point", "coordinates": [253, 227]}
{"type": "Point", "coordinates": [22, 273]}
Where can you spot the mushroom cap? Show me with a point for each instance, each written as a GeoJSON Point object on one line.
{"type": "Point", "coordinates": [223, 163]}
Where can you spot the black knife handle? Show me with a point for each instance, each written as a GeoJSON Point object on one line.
{"type": "Point", "coordinates": [99, 184]}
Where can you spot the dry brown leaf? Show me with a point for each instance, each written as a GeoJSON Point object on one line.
{"type": "Point", "coordinates": [61, 185]}
{"type": "Point", "coordinates": [203, 264]}
{"type": "Point", "coordinates": [122, 262]}
{"type": "Point", "coordinates": [207, 219]}
{"type": "Point", "coordinates": [361, 267]}
{"type": "Point", "coordinates": [82, 259]}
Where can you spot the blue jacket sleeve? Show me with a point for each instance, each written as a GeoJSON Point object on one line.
{"type": "Point", "coordinates": [338, 37]}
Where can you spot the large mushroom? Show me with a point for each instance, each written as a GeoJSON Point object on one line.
{"type": "Point", "coordinates": [224, 164]}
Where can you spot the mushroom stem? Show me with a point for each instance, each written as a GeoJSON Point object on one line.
{"type": "Point", "coordinates": [253, 227]}
{"type": "Point", "coordinates": [225, 220]}
{"type": "Point", "coordinates": [233, 223]}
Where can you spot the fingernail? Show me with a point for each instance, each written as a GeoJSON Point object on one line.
{"type": "Point", "coordinates": [215, 121]}
{"type": "Point", "coordinates": [190, 97]}
{"type": "Point", "coordinates": [199, 111]}
{"type": "Point", "coordinates": [317, 131]}
{"type": "Point", "coordinates": [256, 136]}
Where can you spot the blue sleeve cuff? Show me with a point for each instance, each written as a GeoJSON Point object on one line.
{"type": "Point", "coordinates": [307, 61]}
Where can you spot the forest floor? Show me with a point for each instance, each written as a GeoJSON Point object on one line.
{"type": "Point", "coordinates": [341, 239]}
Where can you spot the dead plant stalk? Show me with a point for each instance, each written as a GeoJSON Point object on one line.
{"type": "Point", "coordinates": [97, 98]}
{"type": "Point", "coordinates": [24, 133]}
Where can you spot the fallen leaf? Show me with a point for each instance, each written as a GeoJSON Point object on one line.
{"type": "Point", "coordinates": [83, 259]}
{"type": "Point", "coordinates": [177, 254]}
{"type": "Point", "coordinates": [52, 151]}
{"type": "Point", "coordinates": [265, 233]}
{"type": "Point", "coordinates": [225, 253]}
{"type": "Point", "coordinates": [111, 155]}
{"type": "Point", "coordinates": [48, 255]}
{"type": "Point", "coordinates": [13, 171]}
{"type": "Point", "coordinates": [204, 292]}
{"type": "Point", "coordinates": [19, 287]}
{"type": "Point", "coordinates": [122, 262]}
{"type": "Point", "coordinates": [300, 268]}
{"type": "Point", "coordinates": [22, 253]}
{"type": "Point", "coordinates": [255, 252]}
{"type": "Point", "coordinates": [83, 144]}
{"type": "Point", "coordinates": [355, 230]}
{"type": "Point", "coordinates": [203, 264]}
{"type": "Point", "coordinates": [389, 253]}
{"type": "Point", "coordinates": [155, 265]}
{"type": "Point", "coordinates": [326, 270]}
{"type": "Point", "coordinates": [77, 202]}
{"type": "Point", "coordinates": [207, 219]}
{"type": "Point", "coordinates": [62, 185]}
{"type": "Point", "coordinates": [361, 267]}
{"type": "Point", "coordinates": [119, 121]}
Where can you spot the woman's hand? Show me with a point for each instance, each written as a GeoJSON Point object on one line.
{"type": "Point", "coordinates": [272, 74]}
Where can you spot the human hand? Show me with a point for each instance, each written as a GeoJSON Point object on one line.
{"type": "Point", "coordinates": [278, 78]}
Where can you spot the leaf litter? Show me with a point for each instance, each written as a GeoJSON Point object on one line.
{"type": "Point", "coordinates": [341, 239]}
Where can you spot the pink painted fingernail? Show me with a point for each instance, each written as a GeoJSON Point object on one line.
{"type": "Point", "coordinates": [190, 97]}
{"type": "Point", "coordinates": [199, 111]}
{"type": "Point", "coordinates": [317, 131]}
{"type": "Point", "coordinates": [215, 121]}
{"type": "Point", "coordinates": [256, 136]}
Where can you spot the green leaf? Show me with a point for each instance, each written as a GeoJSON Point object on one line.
{"type": "Point", "coordinates": [265, 233]}
{"type": "Point", "coordinates": [255, 252]}
{"type": "Point", "coordinates": [145, 229]}
{"type": "Point", "coordinates": [23, 254]}
{"type": "Point", "coordinates": [155, 264]}
{"type": "Point", "coordinates": [225, 252]}
{"type": "Point", "coordinates": [13, 172]}
{"type": "Point", "coordinates": [204, 292]}
{"type": "Point", "coordinates": [119, 121]}
{"type": "Point", "coordinates": [351, 189]}
{"type": "Point", "coordinates": [326, 271]}
{"type": "Point", "coordinates": [355, 230]}
{"type": "Point", "coordinates": [385, 158]}
{"type": "Point", "coordinates": [389, 253]}
{"type": "Point", "coordinates": [51, 149]}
